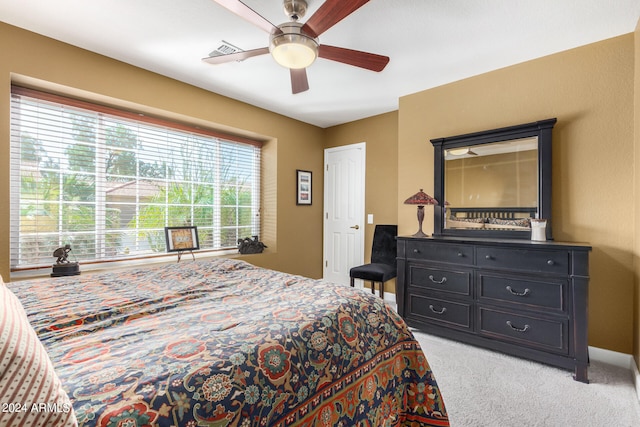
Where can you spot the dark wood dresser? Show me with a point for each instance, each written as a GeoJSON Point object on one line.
{"type": "Point", "coordinates": [528, 299]}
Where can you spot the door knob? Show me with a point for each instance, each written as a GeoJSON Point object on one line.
{"type": "Point", "coordinates": [357, 227]}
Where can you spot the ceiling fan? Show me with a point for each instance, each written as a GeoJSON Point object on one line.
{"type": "Point", "coordinates": [295, 45]}
{"type": "Point", "coordinates": [459, 152]}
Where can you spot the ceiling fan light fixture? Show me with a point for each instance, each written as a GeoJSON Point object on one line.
{"type": "Point", "coordinates": [292, 48]}
{"type": "Point", "coordinates": [461, 152]}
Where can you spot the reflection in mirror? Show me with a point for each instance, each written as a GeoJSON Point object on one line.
{"type": "Point", "coordinates": [492, 183]}
{"type": "Point", "coordinates": [492, 186]}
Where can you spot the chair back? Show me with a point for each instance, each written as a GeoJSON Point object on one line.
{"type": "Point", "coordinates": [384, 244]}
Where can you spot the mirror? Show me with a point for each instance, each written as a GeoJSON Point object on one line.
{"type": "Point", "coordinates": [491, 183]}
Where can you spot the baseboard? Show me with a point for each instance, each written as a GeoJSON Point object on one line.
{"type": "Point", "coordinates": [390, 298]}
{"type": "Point", "coordinates": [610, 357]}
{"type": "Point", "coordinates": [622, 360]}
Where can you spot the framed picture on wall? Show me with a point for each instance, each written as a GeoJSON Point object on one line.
{"type": "Point", "coordinates": [303, 187]}
{"type": "Point", "coordinates": [181, 239]}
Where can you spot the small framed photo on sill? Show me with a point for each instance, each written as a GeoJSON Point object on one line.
{"type": "Point", "coordinates": [303, 187]}
{"type": "Point", "coordinates": [181, 239]}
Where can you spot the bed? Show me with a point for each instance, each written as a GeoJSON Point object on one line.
{"type": "Point", "coordinates": [224, 343]}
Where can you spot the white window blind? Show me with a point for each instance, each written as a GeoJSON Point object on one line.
{"type": "Point", "coordinates": [107, 182]}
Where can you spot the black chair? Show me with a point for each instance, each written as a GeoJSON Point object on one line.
{"type": "Point", "coordinates": [383, 265]}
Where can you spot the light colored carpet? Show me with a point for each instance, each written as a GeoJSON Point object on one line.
{"type": "Point", "coordinates": [485, 388]}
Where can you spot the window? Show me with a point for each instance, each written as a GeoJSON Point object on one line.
{"type": "Point", "coordinates": [107, 182]}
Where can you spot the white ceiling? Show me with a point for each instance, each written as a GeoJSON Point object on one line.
{"type": "Point", "coordinates": [430, 43]}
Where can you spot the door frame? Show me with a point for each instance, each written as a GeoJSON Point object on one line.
{"type": "Point", "coordinates": [361, 147]}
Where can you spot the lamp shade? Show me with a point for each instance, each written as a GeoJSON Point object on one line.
{"type": "Point", "coordinates": [421, 199]}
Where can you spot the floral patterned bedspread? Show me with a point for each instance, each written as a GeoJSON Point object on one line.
{"type": "Point", "coordinates": [225, 343]}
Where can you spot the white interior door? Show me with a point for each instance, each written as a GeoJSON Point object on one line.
{"type": "Point", "coordinates": [344, 181]}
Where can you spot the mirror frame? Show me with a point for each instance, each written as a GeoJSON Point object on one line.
{"type": "Point", "coordinates": [541, 129]}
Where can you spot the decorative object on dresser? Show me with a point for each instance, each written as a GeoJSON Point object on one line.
{"type": "Point", "coordinates": [383, 266]}
{"type": "Point", "coordinates": [528, 299]}
{"type": "Point", "coordinates": [538, 229]}
{"type": "Point", "coordinates": [421, 199]}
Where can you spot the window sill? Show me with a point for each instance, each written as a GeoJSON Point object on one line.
{"type": "Point", "coordinates": [119, 265]}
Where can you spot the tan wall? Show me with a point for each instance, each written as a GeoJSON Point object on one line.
{"type": "Point", "coordinates": [380, 133]}
{"type": "Point", "coordinates": [590, 91]}
{"type": "Point", "coordinates": [292, 144]}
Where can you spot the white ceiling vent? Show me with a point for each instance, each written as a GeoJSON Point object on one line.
{"type": "Point", "coordinates": [224, 48]}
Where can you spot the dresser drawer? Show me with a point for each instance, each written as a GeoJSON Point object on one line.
{"type": "Point", "coordinates": [539, 261]}
{"type": "Point", "coordinates": [440, 279]}
{"type": "Point", "coordinates": [550, 335]}
{"type": "Point", "coordinates": [452, 314]}
{"type": "Point", "coordinates": [440, 252]}
{"type": "Point", "coordinates": [538, 293]}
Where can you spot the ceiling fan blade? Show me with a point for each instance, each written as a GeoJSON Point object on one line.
{"type": "Point", "coordinates": [299, 82]}
{"type": "Point", "coordinates": [238, 56]}
{"type": "Point", "coordinates": [329, 14]}
{"type": "Point", "coordinates": [245, 12]}
{"type": "Point", "coordinates": [357, 58]}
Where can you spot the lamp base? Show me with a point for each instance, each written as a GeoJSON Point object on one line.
{"type": "Point", "coordinates": [420, 234]}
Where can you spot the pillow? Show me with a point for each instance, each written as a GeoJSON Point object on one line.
{"type": "Point", "coordinates": [31, 393]}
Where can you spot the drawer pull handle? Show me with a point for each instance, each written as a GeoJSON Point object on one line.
{"type": "Point", "coordinates": [488, 257]}
{"type": "Point", "coordinates": [550, 262]}
{"type": "Point", "coordinates": [415, 251]}
{"type": "Point", "coordinates": [439, 282]}
{"type": "Point", "coordinates": [519, 294]}
{"type": "Point", "coordinates": [526, 327]}
{"type": "Point", "coordinates": [441, 311]}
{"type": "Point", "coordinates": [460, 254]}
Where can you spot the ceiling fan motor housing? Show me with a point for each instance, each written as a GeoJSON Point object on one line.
{"type": "Point", "coordinates": [291, 47]}
{"type": "Point", "coordinates": [295, 9]}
